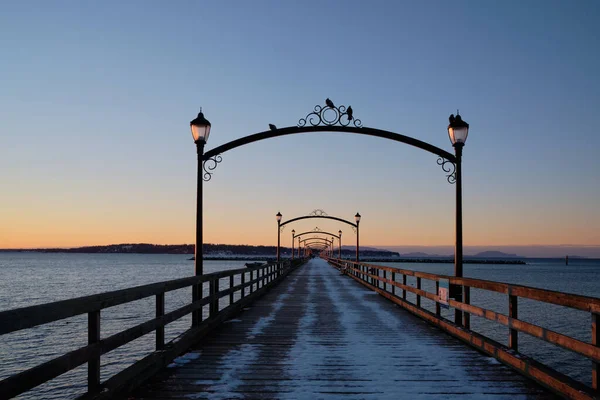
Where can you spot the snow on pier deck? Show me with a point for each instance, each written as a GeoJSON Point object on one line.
{"type": "Point", "coordinates": [320, 335]}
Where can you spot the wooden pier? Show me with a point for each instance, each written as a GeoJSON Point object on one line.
{"type": "Point", "coordinates": [321, 336]}
{"type": "Point", "coordinates": [318, 329]}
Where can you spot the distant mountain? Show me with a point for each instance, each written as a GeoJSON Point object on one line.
{"type": "Point", "coordinates": [495, 254]}
{"type": "Point", "coordinates": [421, 254]}
{"type": "Point", "coordinates": [364, 248]}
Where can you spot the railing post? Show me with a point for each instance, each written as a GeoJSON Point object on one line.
{"type": "Point", "coordinates": [243, 285]}
{"type": "Point", "coordinates": [214, 301]}
{"type": "Point", "coordinates": [467, 300]}
{"type": "Point", "coordinates": [438, 307]}
{"type": "Point", "coordinates": [404, 283]}
{"type": "Point", "coordinates": [160, 331]}
{"type": "Point", "coordinates": [394, 286]}
{"type": "Point", "coordinates": [418, 296]}
{"type": "Point", "coordinates": [231, 287]}
{"type": "Point", "coordinates": [251, 283]}
{"type": "Point", "coordinates": [94, 363]}
{"type": "Point", "coordinates": [384, 282]}
{"type": "Point", "coordinates": [596, 342]}
{"type": "Point", "coordinates": [513, 312]}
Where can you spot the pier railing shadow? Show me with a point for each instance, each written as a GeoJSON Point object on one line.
{"type": "Point", "coordinates": [253, 283]}
{"type": "Point", "coordinates": [391, 283]}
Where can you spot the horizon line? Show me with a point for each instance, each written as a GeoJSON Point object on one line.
{"type": "Point", "coordinates": [349, 245]}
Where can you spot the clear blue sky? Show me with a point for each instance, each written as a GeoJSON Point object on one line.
{"type": "Point", "coordinates": [96, 99]}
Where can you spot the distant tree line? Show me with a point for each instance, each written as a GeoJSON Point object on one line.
{"type": "Point", "coordinates": [208, 248]}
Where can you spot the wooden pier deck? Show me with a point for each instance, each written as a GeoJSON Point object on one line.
{"type": "Point", "coordinates": [320, 335]}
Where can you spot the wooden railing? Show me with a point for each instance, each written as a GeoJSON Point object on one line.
{"type": "Point", "coordinates": [387, 281]}
{"type": "Point", "coordinates": [254, 282]}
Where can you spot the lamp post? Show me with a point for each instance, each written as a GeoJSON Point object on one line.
{"type": "Point", "coordinates": [278, 216]}
{"type": "Point", "coordinates": [340, 248]}
{"type": "Point", "coordinates": [200, 128]}
{"type": "Point", "coordinates": [458, 130]}
{"type": "Point", "coordinates": [299, 247]}
{"type": "Point", "coordinates": [293, 237]}
{"type": "Point", "coordinates": [357, 219]}
{"type": "Point", "coordinates": [331, 253]}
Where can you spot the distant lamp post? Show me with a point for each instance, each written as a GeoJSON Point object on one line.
{"type": "Point", "coordinates": [293, 237]}
{"type": "Point", "coordinates": [357, 219]}
{"type": "Point", "coordinates": [458, 130]}
{"type": "Point", "coordinates": [340, 248]}
{"type": "Point", "coordinates": [331, 253]}
{"type": "Point", "coordinates": [278, 216]}
{"type": "Point", "coordinates": [200, 131]}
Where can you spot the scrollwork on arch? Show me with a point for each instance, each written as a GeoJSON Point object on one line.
{"type": "Point", "coordinates": [449, 168]}
{"type": "Point", "coordinates": [330, 115]}
{"type": "Point", "coordinates": [318, 213]}
{"type": "Point", "coordinates": [209, 165]}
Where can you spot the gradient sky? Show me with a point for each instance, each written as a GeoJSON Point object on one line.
{"type": "Point", "coordinates": [96, 99]}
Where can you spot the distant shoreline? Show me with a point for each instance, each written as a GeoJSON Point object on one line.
{"type": "Point", "coordinates": [387, 260]}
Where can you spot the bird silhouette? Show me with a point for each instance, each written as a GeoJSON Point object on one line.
{"type": "Point", "coordinates": [349, 112]}
{"type": "Point", "coordinates": [329, 103]}
{"type": "Point", "coordinates": [451, 119]}
{"type": "Point", "coordinates": [272, 127]}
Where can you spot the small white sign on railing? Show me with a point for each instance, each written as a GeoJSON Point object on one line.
{"type": "Point", "coordinates": [444, 292]}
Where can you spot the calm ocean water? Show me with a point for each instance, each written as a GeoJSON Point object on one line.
{"type": "Point", "coordinates": [35, 278]}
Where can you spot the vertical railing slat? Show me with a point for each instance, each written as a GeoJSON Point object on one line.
{"type": "Point", "coordinates": [404, 283]}
{"type": "Point", "coordinates": [230, 287]}
{"type": "Point", "coordinates": [513, 312]}
{"type": "Point", "coordinates": [393, 286]}
{"type": "Point", "coordinates": [243, 285]}
{"type": "Point", "coordinates": [596, 342]}
{"type": "Point", "coordinates": [467, 300]}
{"type": "Point", "coordinates": [438, 307]}
{"type": "Point", "coordinates": [160, 331]}
{"type": "Point", "coordinates": [214, 301]}
{"type": "Point", "coordinates": [418, 296]}
{"type": "Point", "coordinates": [94, 363]}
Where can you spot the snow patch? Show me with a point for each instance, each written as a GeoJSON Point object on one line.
{"type": "Point", "coordinates": [234, 362]}
{"type": "Point", "coordinates": [184, 359]}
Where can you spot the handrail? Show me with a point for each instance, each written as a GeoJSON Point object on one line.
{"type": "Point", "coordinates": [370, 275]}
{"type": "Point", "coordinates": [584, 303]}
{"type": "Point", "coordinates": [260, 279]}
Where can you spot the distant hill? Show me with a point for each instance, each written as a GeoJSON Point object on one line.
{"type": "Point", "coordinates": [209, 250]}
{"type": "Point", "coordinates": [421, 254]}
{"type": "Point", "coordinates": [495, 254]}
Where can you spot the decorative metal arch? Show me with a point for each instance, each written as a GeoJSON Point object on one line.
{"type": "Point", "coordinates": [323, 245]}
{"type": "Point", "coordinates": [329, 118]}
{"type": "Point", "coordinates": [316, 247]}
{"type": "Point", "coordinates": [314, 239]}
{"type": "Point", "coordinates": [322, 232]}
{"type": "Point", "coordinates": [352, 224]}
